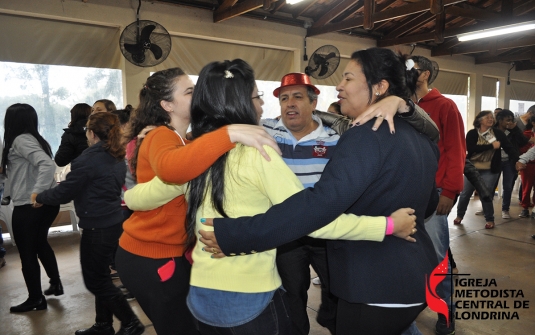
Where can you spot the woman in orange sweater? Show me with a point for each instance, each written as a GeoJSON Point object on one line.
{"type": "Point", "coordinates": [150, 257]}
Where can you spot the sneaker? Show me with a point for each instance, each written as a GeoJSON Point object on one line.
{"type": "Point", "coordinates": [532, 215]}
{"type": "Point", "coordinates": [441, 328]}
{"type": "Point", "coordinates": [316, 281]}
{"type": "Point", "coordinates": [479, 211]}
{"type": "Point", "coordinates": [505, 215]}
{"type": "Point", "coordinates": [524, 213]}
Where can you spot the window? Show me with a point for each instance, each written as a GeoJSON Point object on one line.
{"type": "Point", "coordinates": [53, 90]}
{"type": "Point", "coordinates": [519, 107]}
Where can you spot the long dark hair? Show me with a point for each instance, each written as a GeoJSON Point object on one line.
{"type": "Point", "coordinates": [79, 114]}
{"type": "Point", "coordinates": [21, 119]}
{"type": "Point", "coordinates": [383, 64]}
{"type": "Point", "coordinates": [223, 96]}
{"type": "Point", "coordinates": [159, 87]}
{"type": "Point", "coordinates": [108, 129]}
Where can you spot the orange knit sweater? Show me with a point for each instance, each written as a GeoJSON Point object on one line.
{"type": "Point", "coordinates": [161, 233]}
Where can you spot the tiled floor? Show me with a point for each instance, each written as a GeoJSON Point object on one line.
{"type": "Point", "coordinates": [506, 254]}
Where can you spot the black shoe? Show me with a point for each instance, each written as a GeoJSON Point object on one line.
{"type": "Point", "coordinates": [441, 328]}
{"type": "Point", "coordinates": [134, 327]}
{"type": "Point", "coordinates": [55, 289]}
{"type": "Point", "coordinates": [29, 305]}
{"type": "Point", "coordinates": [99, 328]}
{"type": "Point", "coordinates": [532, 236]}
{"type": "Point", "coordinates": [524, 213]}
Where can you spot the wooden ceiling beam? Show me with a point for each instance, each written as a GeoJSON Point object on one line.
{"type": "Point", "coordinates": [485, 59]}
{"type": "Point", "coordinates": [483, 46]}
{"type": "Point", "coordinates": [472, 12]}
{"type": "Point", "coordinates": [300, 11]}
{"type": "Point", "coordinates": [447, 33]}
{"type": "Point", "coordinates": [523, 66]}
{"type": "Point", "coordinates": [379, 16]}
{"type": "Point", "coordinates": [440, 26]}
{"type": "Point", "coordinates": [436, 6]}
{"type": "Point", "coordinates": [278, 6]}
{"type": "Point", "coordinates": [226, 5]}
{"type": "Point", "coordinates": [523, 7]}
{"type": "Point", "coordinates": [237, 10]}
{"type": "Point", "coordinates": [334, 12]}
{"type": "Point", "coordinates": [369, 9]}
{"type": "Point", "coordinates": [411, 24]}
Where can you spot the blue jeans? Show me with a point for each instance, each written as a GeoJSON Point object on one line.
{"type": "Point", "coordinates": [275, 319]}
{"type": "Point", "coordinates": [488, 208]}
{"type": "Point", "coordinates": [509, 176]}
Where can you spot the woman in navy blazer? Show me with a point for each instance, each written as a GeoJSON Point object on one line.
{"type": "Point", "coordinates": [381, 286]}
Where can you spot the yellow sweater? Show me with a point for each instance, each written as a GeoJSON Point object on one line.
{"type": "Point", "coordinates": [252, 186]}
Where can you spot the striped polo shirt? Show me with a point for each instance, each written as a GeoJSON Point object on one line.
{"type": "Point", "coordinates": [308, 156]}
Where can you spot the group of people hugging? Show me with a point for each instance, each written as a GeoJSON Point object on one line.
{"type": "Point", "coordinates": [198, 244]}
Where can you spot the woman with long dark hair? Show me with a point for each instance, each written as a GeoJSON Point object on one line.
{"type": "Point", "coordinates": [95, 184]}
{"type": "Point", "coordinates": [27, 162]}
{"type": "Point", "coordinates": [154, 242]}
{"type": "Point", "coordinates": [73, 141]}
{"type": "Point", "coordinates": [243, 295]}
{"type": "Point", "coordinates": [381, 286]}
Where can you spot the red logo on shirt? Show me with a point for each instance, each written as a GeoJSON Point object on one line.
{"type": "Point", "coordinates": [319, 151]}
{"type": "Point", "coordinates": [434, 302]}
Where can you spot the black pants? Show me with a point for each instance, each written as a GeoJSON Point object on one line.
{"type": "Point", "coordinates": [30, 227]}
{"type": "Point", "coordinates": [96, 250]}
{"type": "Point", "coordinates": [293, 263]}
{"type": "Point", "coordinates": [362, 319]}
{"type": "Point", "coordinates": [163, 302]}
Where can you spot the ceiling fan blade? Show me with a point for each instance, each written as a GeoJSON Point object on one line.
{"type": "Point", "coordinates": [330, 55]}
{"type": "Point", "coordinates": [156, 50]}
{"type": "Point", "coordinates": [145, 33]}
{"type": "Point", "coordinates": [134, 48]}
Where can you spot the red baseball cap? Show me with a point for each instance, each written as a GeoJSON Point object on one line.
{"type": "Point", "coordinates": [292, 79]}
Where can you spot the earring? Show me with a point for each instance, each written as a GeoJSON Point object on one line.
{"type": "Point", "coordinates": [377, 93]}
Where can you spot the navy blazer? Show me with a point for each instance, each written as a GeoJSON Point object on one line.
{"type": "Point", "coordinates": [371, 173]}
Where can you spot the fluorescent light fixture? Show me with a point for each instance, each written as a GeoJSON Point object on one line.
{"type": "Point", "coordinates": [293, 2]}
{"type": "Point", "coordinates": [509, 29]}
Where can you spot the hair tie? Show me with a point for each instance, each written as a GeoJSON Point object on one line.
{"type": "Point", "coordinates": [228, 74]}
{"type": "Point", "coordinates": [409, 64]}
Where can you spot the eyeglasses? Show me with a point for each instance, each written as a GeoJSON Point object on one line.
{"type": "Point", "coordinates": [259, 96]}
{"type": "Point", "coordinates": [86, 129]}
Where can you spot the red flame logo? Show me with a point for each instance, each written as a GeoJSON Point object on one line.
{"type": "Point", "coordinates": [434, 302]}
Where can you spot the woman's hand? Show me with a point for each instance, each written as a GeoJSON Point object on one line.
{"type": "Point", "coordinates": [145, 131]}
{"type": "Point", "coordinates": [208, 238]}
{"type": "Point", "coordinates": [496, 144]}
{"type": "Point", "coordinates": [404, 224]}
{"type": "Point", "coordinates": [252, 136]}
{"type": "Point", "coordinates": [385, 109]}
{"type": "Point", "coordinates": [35, 204]}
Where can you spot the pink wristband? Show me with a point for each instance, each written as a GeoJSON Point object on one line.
{"type": "Point", "coordinates": [389, 226]}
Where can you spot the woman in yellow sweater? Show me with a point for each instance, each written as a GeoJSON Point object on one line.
{"type": "Point", "coordinates": [243, 295]}
{"type": "Point", "coordinates": [151, 249]}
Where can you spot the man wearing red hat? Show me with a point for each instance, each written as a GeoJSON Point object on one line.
{"type": "Point", "coordinates": [306, 146]}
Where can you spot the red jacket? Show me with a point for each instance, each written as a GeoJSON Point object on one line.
{"type": "Point", "coordinates": [452, 144]}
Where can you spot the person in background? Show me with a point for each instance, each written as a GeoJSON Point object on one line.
{"type": "Point", "coordinates": [94, 184]}
{"type": "Point", "coordinates": [497, 111]}
{"type": "Point", "coordinates": [154, 242]}
{"type": "Point", "coordinates": [527, 174]}
{"type": "Point", "coordinates": [27, 163]}
{"type": "Point", "coordinates": [483, 144]}
{"type": "Point", "coordinates": [334, 108]}
{"type": "Point", "coordinates": [505, 122]}
{"type": "Point", "coordinates": [523, 119]}
{"type": "Point", "coordinates": [103, 105]}
{"type": "Point", "coordinates": [73, 141]}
